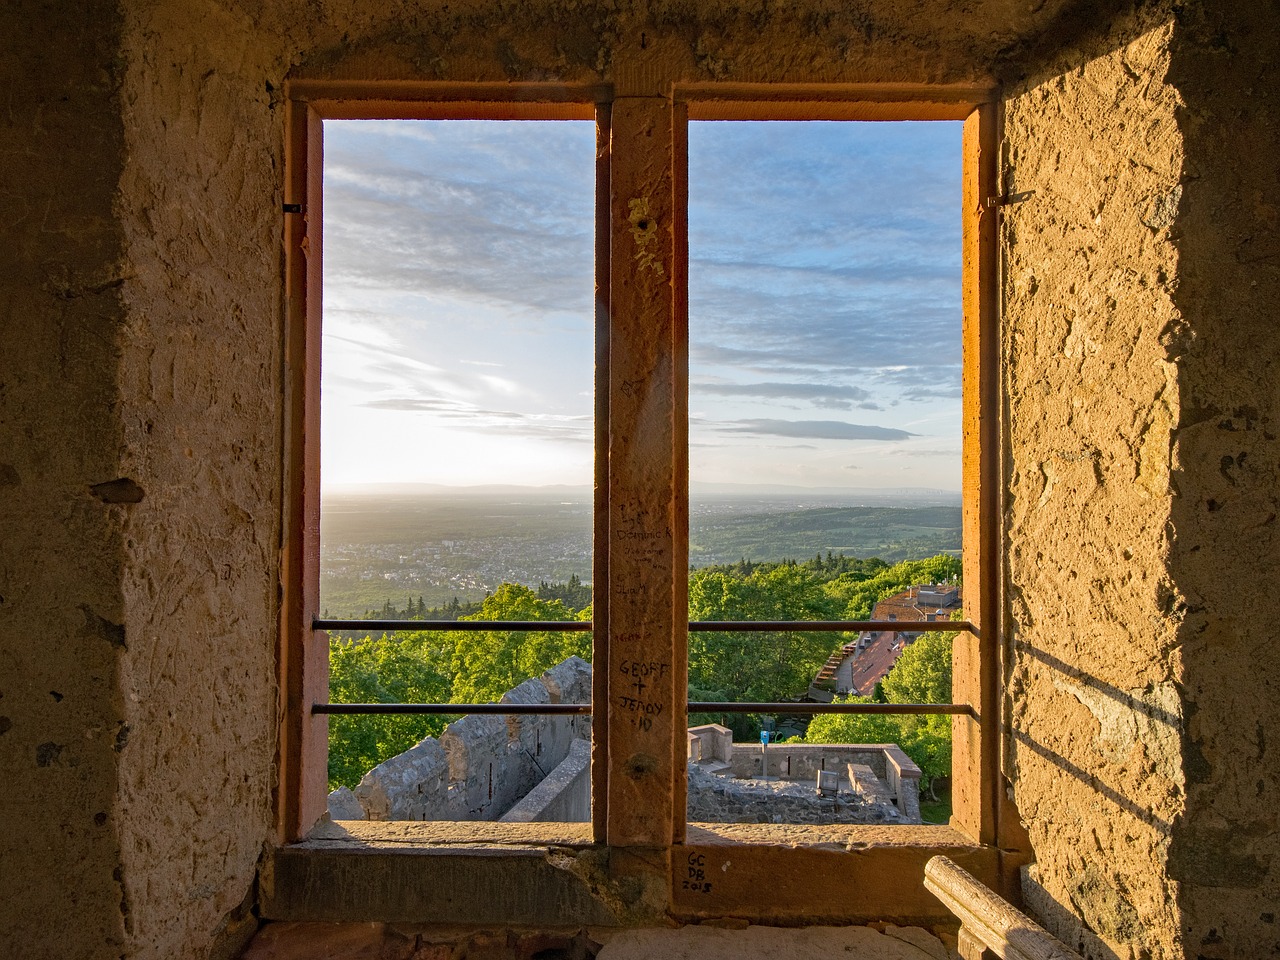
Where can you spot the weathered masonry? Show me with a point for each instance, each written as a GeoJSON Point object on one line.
{"type": "Point", "coordinates": [1123, 254]}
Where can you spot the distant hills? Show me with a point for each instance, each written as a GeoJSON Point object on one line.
{"type": "Point", "coordinates": [885, 496]}
{"type": "Point", "coordinates": [400, 542]}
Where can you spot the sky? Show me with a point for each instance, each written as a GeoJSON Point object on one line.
{"type": "Point", "coordinates": [824, 303]}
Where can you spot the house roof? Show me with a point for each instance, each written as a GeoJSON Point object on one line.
{"type": "Point", "coordinates": [873, 663]}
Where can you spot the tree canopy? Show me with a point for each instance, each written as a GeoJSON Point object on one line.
{"type": "Point", "coordinates": [858, 595]}
{"type": "Point", "coordinates": [477, 667]}
{"type": "Point", "coordinates": [757, 666]}
{"type": "Point", "coordinates": [486, 665]}
{"type": "Point", "coordinates": [438, 667]}
{"type": "Point", "coordinates": [399, 669]}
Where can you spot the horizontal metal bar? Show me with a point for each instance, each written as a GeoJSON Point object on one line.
{"type": "Point", "coordinates": [712, 706]}
{"type": "Point", "coordinates": [584, 709]}
{"type": "Point", "coordinates": [460, 709]}
{"type": "Point", "coordinates": [467, 626]}
{"type": "Point", "coordinates": [827, 626]}
{"type": "Point", "coordinates": [695, 626]}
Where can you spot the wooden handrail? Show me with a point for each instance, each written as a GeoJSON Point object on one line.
{"type": "Point", "coordinates": [988, 922]}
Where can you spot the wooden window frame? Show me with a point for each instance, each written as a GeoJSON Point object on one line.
{"type": "Point", "coordinates": [641, 539]}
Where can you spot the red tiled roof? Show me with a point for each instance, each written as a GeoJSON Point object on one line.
{"type": "Point", "coordinates": [874, 663]}
{"type": "Point", "coordinates": [884, 647]}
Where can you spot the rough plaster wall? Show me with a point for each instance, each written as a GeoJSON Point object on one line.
{"type": "Point", "coordinates": [1091, 329]}
{"type": "Point", "coordinates": [200, 413]}
{"type": "Point", "coordinates": [1223, 556]}
{"type": "Point", "coordinates": [61, 146]}
{"type": "Point", "coordinates": [908, 41]}
{"type": "Point", "coordinates": [196, 364]}
{"type": "Point", "coordinates": [200, 389]}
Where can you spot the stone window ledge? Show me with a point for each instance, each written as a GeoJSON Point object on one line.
{"type": "Point", "coordinates": [550, 873]}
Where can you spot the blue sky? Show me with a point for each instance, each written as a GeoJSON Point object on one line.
{"type": "Point", "coordinates": [824, 303]}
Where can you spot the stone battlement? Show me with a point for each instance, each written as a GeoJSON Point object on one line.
{"type": "Point", "coordinates": [481, 766]}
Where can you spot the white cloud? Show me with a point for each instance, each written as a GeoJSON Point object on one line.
{"type": "Point", "coordinates": [815, 429]}
{"type": "Point", "coordinates": [824, 276]}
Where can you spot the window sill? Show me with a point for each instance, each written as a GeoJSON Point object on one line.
{"type": "Point", "coordinates": [549, 874]}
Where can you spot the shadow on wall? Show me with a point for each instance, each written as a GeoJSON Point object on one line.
{"type": "Point", "coordinates": [1225, 850]}
{"type": "Point", "coordinates": [1203, 692]}
{"type": "Point", "coordinates": [1124, 720]}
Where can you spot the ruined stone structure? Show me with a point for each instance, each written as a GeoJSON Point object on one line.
{"type": "Point", "coordinates": [481, 767]}
{"type": "Point", "coordinates": [150, 407]}
{"type": "Point", "coordinates": [876, 772]}
{"type": "Point", "coordinates": [720, 799]}
{"type": "Point", "coordinates": [537, 768]}
{"type": "Point", "coordinates": [888, 771]}
{"type": "Point", "coordinates": [728, 782]}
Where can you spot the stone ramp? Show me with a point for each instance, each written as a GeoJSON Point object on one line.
{"type": "Point", "coordinates": [563, 796]}
{"type": "Point", "coordinates": [867, 785]}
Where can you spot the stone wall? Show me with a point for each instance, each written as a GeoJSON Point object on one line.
{"type": "Point", "coordinates": [710, 741]}
{"type": "Point", "coordinates": [63, 497]}
{"type": "Point", "coordinates": [1093, 403]}
{"type": "Point", "coordinates": [720, 799]}
{"type": "Point", "coordinates": [884, 942]}
{"type": "Point", "coordinates": [1224, 539]}
{"type": "Point", "coordinates": [200, 413]}
{"type": "Point", "coordinates": [903, 778]}
{"type": "Point", "coordinates": [495, 761]}
{"type": "Point", "coordinates": [413, 785]}
{"type": "Point", "coordinates": [802, 761]}
{"type": "Point", "coordinates": [482, 765]}
{"type": "Point", "coordinates": [1140, 278]}
{"type": "Point", "coordinates": [563, 796]}
{"type": "Point", "coordinates": [531, 768]}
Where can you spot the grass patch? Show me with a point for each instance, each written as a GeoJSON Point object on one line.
{"type": "Point", "coordinates": [936, 811]}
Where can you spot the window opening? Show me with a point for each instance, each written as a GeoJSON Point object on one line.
{"type": "Point", "coordinates": [825, 466]}
{"type": "Point", "coordinates": [457, 464]}
{"type": "Point", "coordinates": [626, 822]}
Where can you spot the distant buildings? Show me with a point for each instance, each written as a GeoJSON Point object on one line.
{"type": "Point", "coordinates": [859, 665]}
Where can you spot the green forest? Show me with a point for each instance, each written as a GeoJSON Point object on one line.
{"type": "Point", "coordinates": [434, 666]}
{"type": "Point", "coordinates": [450, 547]}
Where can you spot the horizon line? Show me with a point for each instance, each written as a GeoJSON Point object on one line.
{"type": "Point", "coordinates": [586, 488]}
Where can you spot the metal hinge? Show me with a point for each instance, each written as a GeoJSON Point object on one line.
{"type": "Point", "coordinates": [1009, 199]}
{"type": "Point", "coordinates": [291, 207]}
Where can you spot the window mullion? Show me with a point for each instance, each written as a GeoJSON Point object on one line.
{"type": "Point", "coordinates": [646, 628]}
{"type": "Point", "coordinates": [600, 502]}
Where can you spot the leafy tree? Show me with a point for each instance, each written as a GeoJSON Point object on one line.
{"type": "Point", "coordinates": [854, 727]}
{"type": "Point", "coordinates": [928, 743]}
{"type": "Point", "coordinates": [859, 595]}
{"type": "Point", "coordinates": [487, 664]}
{"type": "Point", "coordinates": [399, 669]}
{"type": "Point", "coordinates": [436, 667]}
{"type": "Point", "coordinates": [479, 667]}
{"type": "Point", "coordinates": [757, 666]}
{"type": "Point", "coordinates": [574, 593]}
{"type": "Point", "coordinates": [745, 726]}
{"type": "Point", "coordinates": [853, 568]}
{"type": "Point", "coordinates": [922, 674]}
